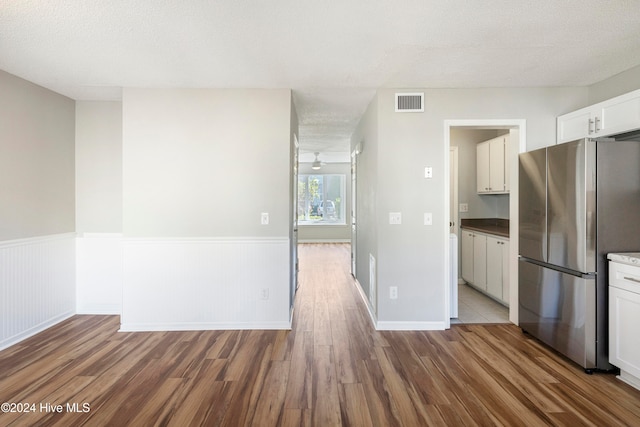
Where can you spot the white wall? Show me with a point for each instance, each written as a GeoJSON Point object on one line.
{"type": "Point", "coordinates": [37, 245]}
{"type": "Point", "coordinates": [99, 207]}
{"type": "Point", "coordinates": [98, 167]}
{"type": "Point", "coordinates": [204, 162]}
{"type": "Point", "coordinates": [411, 256]}
{"type": "Point", "coordinates": [199, 168]}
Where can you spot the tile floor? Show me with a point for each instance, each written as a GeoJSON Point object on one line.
{"type": "Point", "coordinates": [474, 307]}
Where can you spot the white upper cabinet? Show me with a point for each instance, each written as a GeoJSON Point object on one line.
{"type": "Point", "coordinates": [492, 173]}
{"type": "Point", "coordinates": [613, 116]}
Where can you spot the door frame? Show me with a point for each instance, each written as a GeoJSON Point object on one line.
{"type": "Point", "coordinates": [352, 219]}
{"type": "Point", "coordinates": [453, 195]}
{"type": "Point", "coordinates": [518, 145]}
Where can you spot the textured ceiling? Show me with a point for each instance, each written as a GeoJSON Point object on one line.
{"type": "Point", "coordinates": [332, 53]}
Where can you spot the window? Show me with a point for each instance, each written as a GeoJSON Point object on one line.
{"type": "Point", "coordinates": [321, 199]}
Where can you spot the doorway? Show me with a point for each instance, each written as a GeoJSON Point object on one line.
{"type": "Point", "coordinates": [517, 128]}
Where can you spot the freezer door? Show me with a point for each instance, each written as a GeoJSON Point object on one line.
{"type": "Point", "coordinates": [571, 202]}
{"type": "Point", "coordinates": [532, 201]}
{"type": "Point", "coordinates": [560, 310]}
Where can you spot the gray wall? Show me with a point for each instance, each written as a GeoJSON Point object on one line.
{"type": "Point", "coordinates": [411, 256]}
{"type": "Point", "coordinates": [366, 194]}
{"type": "Point", "coordinates": [619, 84]}
{"type": "Point", "coordinates": [326, 232]}
{"type": "Point", "coordinates": [480, 206]}
{"type": "Point", "coordinates": [206, 162]}
{"type": "Point", "coordinates": [37, 194]}
{"type": "Point", "coordinates": [98, 167]}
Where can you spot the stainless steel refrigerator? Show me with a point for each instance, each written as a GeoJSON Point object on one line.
{"type": "Point", "coordinates": [578, 201]}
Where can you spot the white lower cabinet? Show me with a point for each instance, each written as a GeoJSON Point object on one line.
{"type": "Point", "coordinates": [480, 261]}
{"type": "Point", "coordinates": [624, 318]}
{"type": "Point", "coordinates": [466, 255]}
{"type": "Point", "coordinates": [485, 263]}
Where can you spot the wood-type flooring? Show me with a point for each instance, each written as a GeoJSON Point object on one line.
{"type": "Point", "coordinates": [331, 369]}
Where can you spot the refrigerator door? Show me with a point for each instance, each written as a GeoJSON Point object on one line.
{"type": "Point", "coordinates": [559, 309]}
{"type": "Point", "coordinates": [571, 203]}
{"type": "Point", "coordinates": [533, 205]}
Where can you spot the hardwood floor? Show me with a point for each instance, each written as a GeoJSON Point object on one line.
{"type": "Point", "coordinates": [331, 369]}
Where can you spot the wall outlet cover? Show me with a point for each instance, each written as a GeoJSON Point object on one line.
{"type": "Point", "coordinates": [395, 218]}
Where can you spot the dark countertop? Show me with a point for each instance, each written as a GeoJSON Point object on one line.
{"type": "Point", "coordinates": [497, 226]}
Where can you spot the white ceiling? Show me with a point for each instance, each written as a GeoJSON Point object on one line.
{"type": "Point", "coordinates": [334, 54]}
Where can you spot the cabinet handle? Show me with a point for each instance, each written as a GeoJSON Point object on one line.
{"type": "Point", "coordinates": [632, 279]}
{"type": "Point", "coordinates": [597, 127]}
{"type": "Point", "coordinates": [589, 126]}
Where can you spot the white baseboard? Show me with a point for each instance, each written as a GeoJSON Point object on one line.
{"type": "Point", "coordinates": [410, 326]}
{"type": "Point", "coordinates": [397, 326]}
{"type": "Point", "coordinates": [365, 299]}
{"type": "Point", "coordinates": [324, 241]}
{"type": "Point", "coordinates": [222, 326]}
{"type": "Point", "coordinates": [15, 339]}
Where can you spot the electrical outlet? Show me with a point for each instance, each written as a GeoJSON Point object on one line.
{"type": "Point", "coordinates": [428, 172]}
{"type": "Point", "coordinates": [464, 207]}
{"type": "Point", "coordinates": [395, 218]}
{"type": "Point", "coordinates": [393, 292]}
{"type": "Point", "coordinates": [428, 218]}
{"type": "Point", "coordinates": [264, 218]}
{"type": "Point", "coordinates": [264, 293]}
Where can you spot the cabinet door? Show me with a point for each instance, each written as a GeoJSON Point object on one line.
{"type": "Point", "coordinates": [620, 114]}
{"type": "Point", "coordinates": [496, 165]}
{"type": "Point", "coordinates": [480, 261]}
{"type": "Point", "coordinates": [482, 165]}
{"type": "Point", "coordinates": [494, 267]}
{"type": "Point", "coordinates": [466, 256]}
{"type": "Point", "coordinates": [574, 126]}
{"type": "Point", "coordinates": [624, 318]}
{"type": "Point", "coordinates": [506, 283]}
{"type": "Point", "coordinates": [507, 162]}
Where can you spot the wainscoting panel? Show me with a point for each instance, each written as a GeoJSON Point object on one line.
{"type": "Point", "coordinates": [99, 273]}
{"type": "Point", "coordinates": [196, 284]}
{"type": "Point", "coordinates": [37, 285]}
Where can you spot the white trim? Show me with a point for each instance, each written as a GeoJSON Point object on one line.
{"type": "Point", "coordinates": [36, 239]}
{"type": "Point", "coordinates": [372, 315]}
{"type": "Point", "coordinates": [205, 326]}
{"type": "Point", "coordinates": [226, 240]}
{"type": "Point", "coordinates": [15, 339]}
{"type": "Point", "coordinates": [100, 235]}
{"type": "Point", "coordinates": [99, 309]}
{"type": "Point", "coordinates": [410, 326]}
{"type": "Point", "coordinates": [324, 240]}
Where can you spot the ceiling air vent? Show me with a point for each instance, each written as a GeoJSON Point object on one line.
{"type": "Point", "coordinates": [409, 102]}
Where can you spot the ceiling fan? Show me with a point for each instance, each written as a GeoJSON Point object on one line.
{"type": "Point", "coordinates": [317, 164]}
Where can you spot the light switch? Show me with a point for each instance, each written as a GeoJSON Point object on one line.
{"type": "Point", "coordinates": [395, 218]}
{"type": "Point", "coordinates": [264, 218]}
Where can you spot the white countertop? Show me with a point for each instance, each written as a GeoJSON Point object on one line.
{"type": "Point", "coordinates": [631, 258]}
